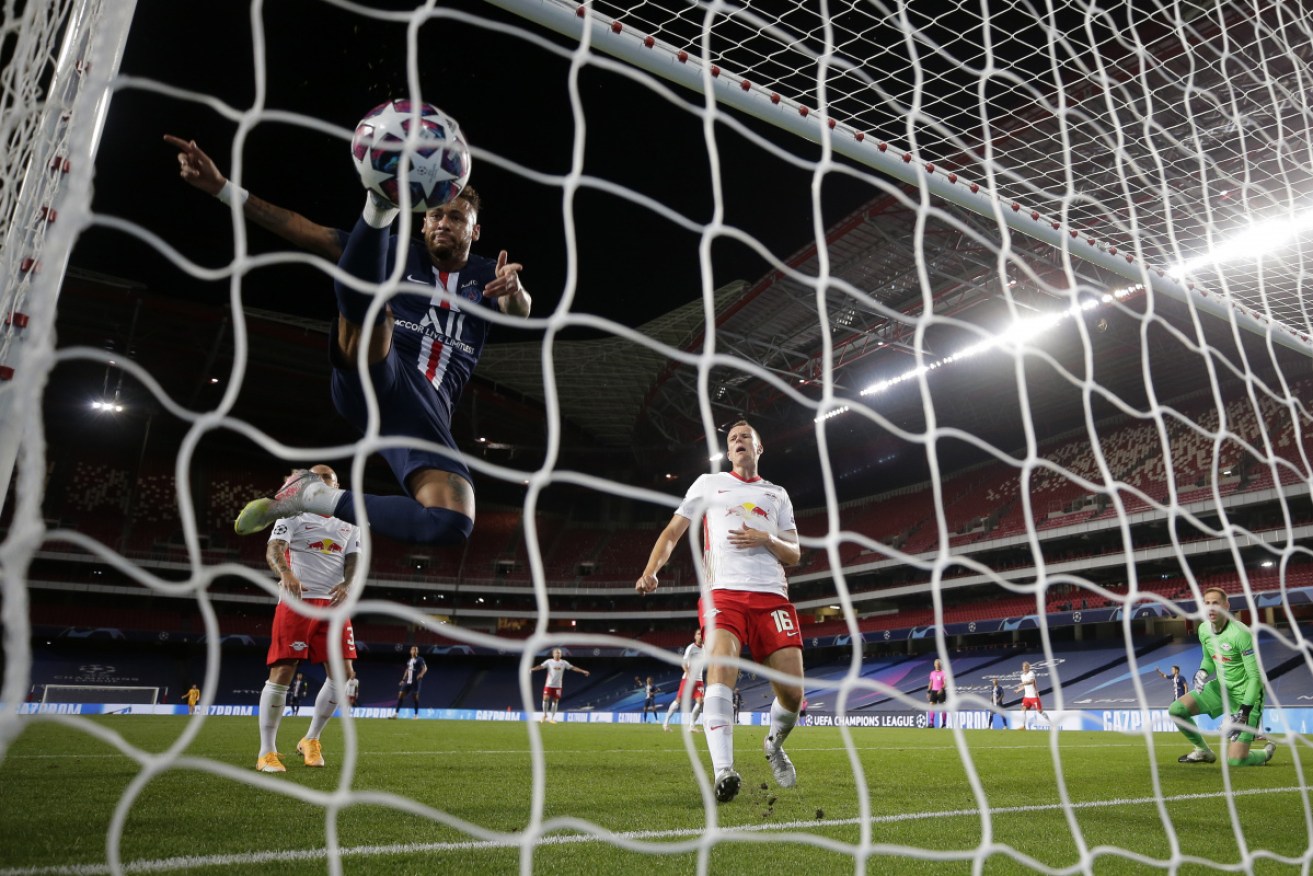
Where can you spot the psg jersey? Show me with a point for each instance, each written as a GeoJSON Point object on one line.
{"type": "Point", "coordinates": [439, 340]}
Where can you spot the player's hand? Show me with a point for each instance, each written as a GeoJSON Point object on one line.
{"type": "Point", "coordinates": [1200, 679]}
{"type": "Point", "coordinates": [647, 583]}
{"type": "Point", "coordinates": [195, 167]}
{"type": "Point", "coordinates": [507, 281]}
{"type": "Point", "coordinates": [746, 537]}
{"type": "Point", "coordinates": [1239, 721]}
{"type": "Point", "coordinates": [291, 584]}
{"type": "Point", "coordinates": [338, 594]}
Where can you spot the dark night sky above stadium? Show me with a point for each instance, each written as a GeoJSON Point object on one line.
{"type": "Point", "coordinates": [511, 98]}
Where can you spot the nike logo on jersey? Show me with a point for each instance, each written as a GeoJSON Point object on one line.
{"type": "Point", "coordinates": [427, 281]}
{"type": "Point", "coordinates": [794, 633]}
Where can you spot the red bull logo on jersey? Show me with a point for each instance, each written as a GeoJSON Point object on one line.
{"type": "Point", "coordinates": [756, 510]}
{"type": "Point", "coordinates": [324, 546]}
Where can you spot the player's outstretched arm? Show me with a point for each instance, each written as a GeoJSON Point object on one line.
{"type": "Point", "coordinates": [661, 551]}
{"type": "Point", "coordinates": [197, 169]}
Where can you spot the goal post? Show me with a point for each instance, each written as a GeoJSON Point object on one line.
{"type": "Point", "coordinates": [137, 695]}
{"type": "Point", "coordinates": [54, 108]}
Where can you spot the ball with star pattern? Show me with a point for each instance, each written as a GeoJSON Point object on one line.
{"type": "Point", "coordinates": [420, 173]}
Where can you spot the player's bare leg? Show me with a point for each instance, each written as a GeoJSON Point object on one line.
{"type": "Point", "coordinates": [350, 336]}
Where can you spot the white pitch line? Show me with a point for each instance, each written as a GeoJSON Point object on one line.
{"type": "Point", "coordinates": [164, 865]}
{"type": "Point", "coordinates": [438, 752]}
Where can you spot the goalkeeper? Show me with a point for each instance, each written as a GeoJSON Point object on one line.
{"type": "Point", "coordinates": [1228, 648]}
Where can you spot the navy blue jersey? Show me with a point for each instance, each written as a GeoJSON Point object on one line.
{"type": "Point", "coordinates": [436, 344]}
{"type": "Point", "coordinates": [440, 340]}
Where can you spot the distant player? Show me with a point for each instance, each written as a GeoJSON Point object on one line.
{"type": "Point", "coordinates": [412, 674]}
{"type": "Point", "coordinates": [352, 690]}
{"type": "Point", "coordinates": [693, 668]}
{"type": "Point", "coordinates": [1177, 680]}
{"type": "Point", "coordinates": [996, 697]}
{"type": "Point", "coordinates": [1228, 649]}
{"type": "Point", "coordinates": [191, 698]}
{"type": "Point", "coordinates": [937, 695]}
{"type": "Point", "coordinates": [649, 701]}
{"type": "Point", "coordinates": [315, 559]}
{"type": "Point", "coordinates": [750, 535]}
{"type": "Point", "coordinates": [296, 691]}
{"type": "Point", "coordinates": [1029, 689]}
{"type": "Point", "coordinates": [555, 667]}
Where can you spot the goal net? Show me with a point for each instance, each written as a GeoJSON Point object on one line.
{"type": "Point", "coordinates": [1013, 293]}
{"type": "Point", "coordinates": [99, 693]}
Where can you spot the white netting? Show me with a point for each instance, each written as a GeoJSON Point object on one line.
{"type": "Point", "coordinates": [1064, 259]}
{"type": "Point", "coordinates": [99, 693]}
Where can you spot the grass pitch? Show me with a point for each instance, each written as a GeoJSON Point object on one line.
{"type": "Point", "coordinates": [457, 797]}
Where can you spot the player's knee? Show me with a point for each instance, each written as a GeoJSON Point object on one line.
{"type": "Point", "coordinates": [445, 528]}
{"type": "Point", "coordinates": [1178, 710]}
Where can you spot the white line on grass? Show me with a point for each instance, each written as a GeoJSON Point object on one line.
{"type": "Point", "coordinates": [449, 752]}
{"type": "Point", "coordinates": [164, 865]}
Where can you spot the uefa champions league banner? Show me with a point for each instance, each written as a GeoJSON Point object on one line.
{"type": "Point", "coordinates": [1277, 721]}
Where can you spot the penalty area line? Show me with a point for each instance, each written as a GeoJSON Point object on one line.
{"type": "Point", "coordinates": [191, 862]}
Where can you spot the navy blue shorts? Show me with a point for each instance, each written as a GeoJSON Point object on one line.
{"type": "Point", "coordinates": [407, 407]}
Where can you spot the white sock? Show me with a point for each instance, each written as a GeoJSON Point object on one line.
{"type": "Point", "coordinates": [320, 498]}
{"type": "Point", "coordinates": [674, 704]}
{"type": "Point", "coordinates": [325, 705]}
{"type": "Point", "coordinates": [697, 712]}
{"type": "Point", "coordinates": [273, 699]}
{"type": "Point", "coordinates": [781, 723]}
{"type": "Point", "coordinates": [378, 213]}
{"type": "Point", "coordinates": [719, 707]}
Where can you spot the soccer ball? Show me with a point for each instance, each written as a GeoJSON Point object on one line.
{"type": "Point", "coordinates": [437, 168]}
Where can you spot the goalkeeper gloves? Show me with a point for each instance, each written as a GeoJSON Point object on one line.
{"type": "Point", "coordinates": [1200, 679]}
{"type": "Point", "coordinates": [1240, 721]}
